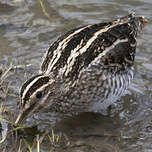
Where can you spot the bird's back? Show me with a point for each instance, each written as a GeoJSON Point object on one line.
{"type": "Point", "coordinates": [95, 62]}
{"type": "Point", "coordinates": [111, 43]}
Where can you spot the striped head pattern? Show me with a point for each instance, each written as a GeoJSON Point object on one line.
{"type": "Point", "coordinates": [35, 93]}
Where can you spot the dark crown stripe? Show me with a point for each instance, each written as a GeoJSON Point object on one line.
{"type": "Point", "coordinates": [42, 80]}
{"type": "Point", "coordinates": [26, 84]}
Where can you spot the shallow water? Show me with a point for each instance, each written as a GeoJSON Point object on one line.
{"type": "Point", "coordinates": [27, 28]}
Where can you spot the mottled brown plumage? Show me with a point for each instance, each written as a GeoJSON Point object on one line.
{"type": "Point", "coordinates": [86, 69]}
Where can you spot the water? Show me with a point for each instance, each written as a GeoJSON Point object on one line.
{"type": "Point", "coordinates": [27, 28]}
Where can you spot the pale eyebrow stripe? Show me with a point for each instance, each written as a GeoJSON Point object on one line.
{"type": "Point", "coordinates": [41, 88]}
{"type": "Point", "coordinates": [29, 86]}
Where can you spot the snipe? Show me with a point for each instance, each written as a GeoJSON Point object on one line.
{"type": "Point", "coordinates": [86, 69]}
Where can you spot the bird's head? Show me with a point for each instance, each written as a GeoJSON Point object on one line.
{"type": "Point", "coordinates": [36, 93]}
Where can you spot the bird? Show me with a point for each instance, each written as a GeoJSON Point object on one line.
{"type": "Point", "coordinates": [84, 70]}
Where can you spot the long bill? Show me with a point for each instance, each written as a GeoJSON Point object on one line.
{"type": "Point", "coordinates": [28, 111]}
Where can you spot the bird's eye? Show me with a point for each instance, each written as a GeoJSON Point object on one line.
{"type": "Point", "coordinates": [38, 95]}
